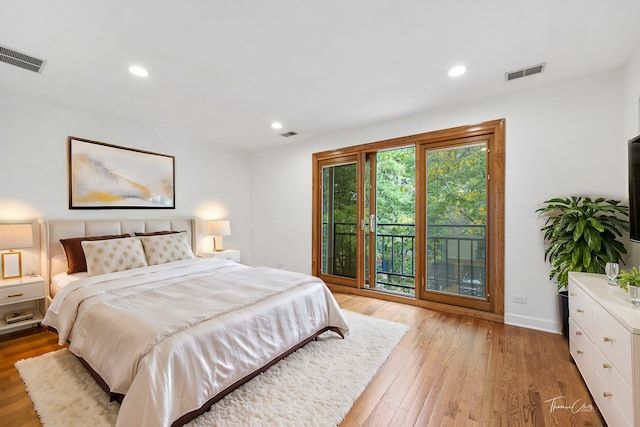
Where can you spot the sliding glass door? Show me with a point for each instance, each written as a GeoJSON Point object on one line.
{"type": "Point", "coordinates": [390, 196]}
{"type": "Point", "coordinates": [419, 217]}
{"type": "Point", "coordinates": [339, 220]}
{"type": "Point", "coordinates": [456, 220]}
{"type": "Point", "coordinates": [460, 203]}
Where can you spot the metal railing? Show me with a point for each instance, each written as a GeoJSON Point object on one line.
{"type": "Point", "coordinates": [395, 263]}
{"type": "Point", "coordinates": [455, 257]}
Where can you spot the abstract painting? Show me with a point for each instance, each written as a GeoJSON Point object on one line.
{"type": "Point", "coordinates": [105, 176]}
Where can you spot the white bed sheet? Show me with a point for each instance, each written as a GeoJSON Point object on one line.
{"type": "Point", "coordinates": [61, 280]}
{"type": "Point", "coordinates": [175, 360]}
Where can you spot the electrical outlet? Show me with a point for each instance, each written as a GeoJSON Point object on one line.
{"type": "Point", "coordinates": [520, 299]}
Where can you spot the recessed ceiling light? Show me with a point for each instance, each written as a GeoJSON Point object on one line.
{"type": "Point", "coordinates": [458, 70]}
{"type": "Point", "coordinates": [138, 71]}
{"type": "Point", "coordinates": [276, 125]}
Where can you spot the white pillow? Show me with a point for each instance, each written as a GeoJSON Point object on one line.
{"type": "Point", "coordinates": [165, 248]}
{"type": "Point", "coordinates": [109, 256]}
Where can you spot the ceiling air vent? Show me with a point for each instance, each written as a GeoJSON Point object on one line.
{"type": "Point", "coordinates": [529, 71]}
{"type": "Point", "coordinates": [22, 60]}
{"type": "Point", "coordinates": [288, 134]}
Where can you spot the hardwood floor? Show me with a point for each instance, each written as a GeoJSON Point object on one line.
{"type": "Point", "coordinates": [16, 409]}
{"type": "Point", "coordinates": [453, 370]}
{"type": "Point", "coordinates": [449, 370]}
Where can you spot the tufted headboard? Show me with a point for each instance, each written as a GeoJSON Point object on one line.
{"type": "Point", "coordinates": [53, 257]}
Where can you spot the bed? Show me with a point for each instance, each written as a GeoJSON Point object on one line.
{"type": "Point", "coordinates": [168, 339]}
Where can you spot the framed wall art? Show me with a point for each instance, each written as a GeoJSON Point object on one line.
{"type": "Point", "coordinates": [105, 176]}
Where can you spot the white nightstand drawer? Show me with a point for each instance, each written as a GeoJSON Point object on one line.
{"type": "Point", "coordinates": [614, 341]}
{"type": "Point", "coordinates": [228, 254]}
{"type": "Point", "coordinates": [232, 256]}
{"type": "Point", "coordinates": [10, 294]}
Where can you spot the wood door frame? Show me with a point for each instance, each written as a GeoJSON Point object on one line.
{"type": "Point", "coordinates": [369, 236]}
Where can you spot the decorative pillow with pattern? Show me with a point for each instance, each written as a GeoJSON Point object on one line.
{"type": "Point", "coordinates": [109, 256]}
{"type": "Point", "coordinates": [165, 248]}
{"type": "Point", "coordinates": [76, 261]}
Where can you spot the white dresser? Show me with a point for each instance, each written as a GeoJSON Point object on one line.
{"type": "Point", "coordinates": [604, 340]}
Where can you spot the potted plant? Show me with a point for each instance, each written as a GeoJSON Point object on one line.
{"type": "Point", "coordinates": [629, 280]}
{"type": "Point", "coordinates": [583, 235]}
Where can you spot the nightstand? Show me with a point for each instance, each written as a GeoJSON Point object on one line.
{"type": "Point", "coordinates": [20, 296]}
{"type": "Point", "coordinates": [230, 254]}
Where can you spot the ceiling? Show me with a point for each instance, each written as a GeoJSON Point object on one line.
{"type": "Point", "coordinates": [222, 71]}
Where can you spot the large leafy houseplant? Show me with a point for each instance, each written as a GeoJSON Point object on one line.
{"type": "Point", "coordinates": [583, 234]}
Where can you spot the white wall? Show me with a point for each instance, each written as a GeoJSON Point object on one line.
{"type": "Point", "coordinates": [561, 140]}
{"type": "Point", "coordinates": [564, 139]}
{"type": "Point", "coordinates": [212, 182]}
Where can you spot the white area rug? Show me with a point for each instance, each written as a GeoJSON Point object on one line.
{"type": "Point", "coordinates": [315, 386]}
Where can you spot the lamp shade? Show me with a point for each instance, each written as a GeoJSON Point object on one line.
{"type": "Point", "coordinates": [15, 236]}
{"type": "Point", "coordinates": [219, 228]}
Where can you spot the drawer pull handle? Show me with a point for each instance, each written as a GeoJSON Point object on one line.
{"type": "Point", "coordinates": [580, 352]}
{"type": "Point", "coordinates": [580, 310]}
{"type": "Point", "coordinates": [607, 339]}
{"type": "Point", "coordinates": [606, 365]}
{"type": "Point", "coordinates": [607, 394]}
{"type": "Point", "coordinates": [14, 295]}
{"type": "Point", "coordinates": [578, 333]}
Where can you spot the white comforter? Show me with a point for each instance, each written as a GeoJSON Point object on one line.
{"type": "Point", "coordinates": [173, 336]}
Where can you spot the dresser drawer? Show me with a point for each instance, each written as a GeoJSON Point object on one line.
{"type": "Point", "coordinates": [607, 404]}
{"type": "Point", "coordinates": [21, 292]}
{"type": "Point", "coordinates": [614, 340]}
{"type": "Point", "coordinates": [581, 308]}
{"type": "Point", "coordinates": [581, 350]}
{"type": "Point", "coordinates": [613, 383]}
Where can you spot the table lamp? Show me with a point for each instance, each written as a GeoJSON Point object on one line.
{"type": "Point", "coordinates": [217, 229]}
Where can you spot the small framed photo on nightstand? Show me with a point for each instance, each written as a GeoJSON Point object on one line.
{"type": "Point", "coordinates": [11, 265]}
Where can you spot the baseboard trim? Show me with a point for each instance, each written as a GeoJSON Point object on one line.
{"type": "Point", "coordinates": [530, 322]}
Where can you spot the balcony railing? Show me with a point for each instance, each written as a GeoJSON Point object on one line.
{"type": "Point", "coordinates": [395, 264]}
{"type": "Point", "coordinates": [455, 257]}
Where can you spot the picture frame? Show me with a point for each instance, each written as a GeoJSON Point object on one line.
{"type": "Point", "coordinates": [11, 265]}
{"type": "Point", "coordinates": [106, 176]}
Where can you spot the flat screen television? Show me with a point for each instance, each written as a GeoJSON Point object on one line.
{"type": "Point", "coordinates": [634, 189]}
